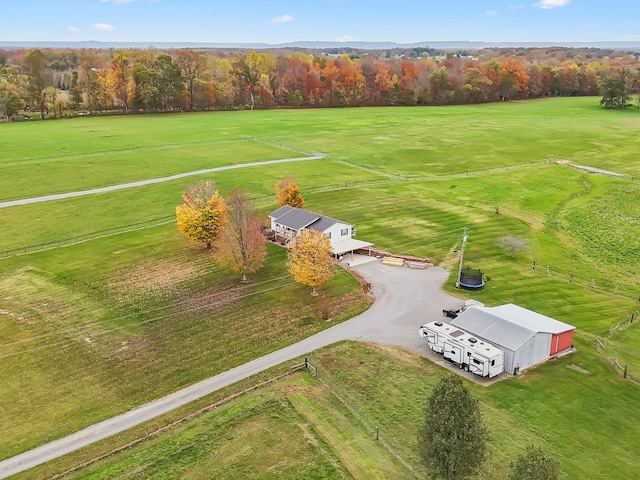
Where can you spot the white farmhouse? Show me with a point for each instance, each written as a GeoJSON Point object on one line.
{"type": "Point", "coordinates": [288, 222]}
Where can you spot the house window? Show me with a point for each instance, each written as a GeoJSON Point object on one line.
{"type": "Point", "coordinates": [344, 232]}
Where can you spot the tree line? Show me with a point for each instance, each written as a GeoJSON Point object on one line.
{"type": "Point", "coordinates": [62, 82]}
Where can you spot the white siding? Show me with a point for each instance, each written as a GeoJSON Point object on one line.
{"type": "Point", "coordinates": [336, 232]}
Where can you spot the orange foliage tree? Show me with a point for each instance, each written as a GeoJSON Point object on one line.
{"type": "Point", "coordinates": [202, 216]}
{"type": "Point", "coordinates": [288, 193]}
{"type": "Point", "coordinates": [309, 259]}
{"type": "Point", "coordinates": [242, 247]}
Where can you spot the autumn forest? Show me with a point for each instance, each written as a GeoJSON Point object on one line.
{"type": "Point", "coordinates": [56, 83]}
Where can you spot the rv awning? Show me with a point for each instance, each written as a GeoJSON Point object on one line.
{"type": "Point", "coordinates": [350, 245]}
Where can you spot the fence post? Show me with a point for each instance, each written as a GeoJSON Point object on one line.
{"type": "Point", "coordinates": [548, 270]}
{"type": "Point", "coordinates": [593, 283]}
{"type": "Point", "coordinates": [306, 363]}
{"type": "Point", "coordinates": [625, 372]}
{"type": "Point", "coordinates": [377, 433]}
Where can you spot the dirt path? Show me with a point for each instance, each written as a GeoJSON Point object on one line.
{"type": "Point", "coordinates": [405, 299]}
{"type": "Point", "coordinates": [596, 170]}
{"type": "Point", "coordinates": [122, 186]}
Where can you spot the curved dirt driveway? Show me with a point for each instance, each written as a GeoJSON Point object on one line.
{"type": "Point", "coordinates": [405, 299]}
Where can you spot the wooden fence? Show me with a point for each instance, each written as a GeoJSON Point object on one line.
{"type": "Point", "coordinates": [624, 288]}
{"type": "Point", "coordinates": [602, 344]}
{"type": "Point", "coordinates": [373, 431]}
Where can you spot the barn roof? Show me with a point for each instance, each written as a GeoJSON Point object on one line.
{"type": "Point", "coordinates": [508, 325]}
{"type": "Point", "coordinates": [494, 329]}
{"type": "Point", "coordinates": [530, 319]}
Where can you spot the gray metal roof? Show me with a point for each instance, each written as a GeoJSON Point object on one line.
{"type": "Point", "coordinates": [325, 223]}
{"type": "Point", "coordinates": [492, 328]}
{"type": "Point", "coordinates": [530, 319]}
{"type": "Point", "coordinates": [281, 211]}
{"type": "Point", "coordinates": [297, 218]}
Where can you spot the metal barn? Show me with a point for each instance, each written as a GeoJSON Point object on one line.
{"type": "Point", "coordinates": [527, 337]}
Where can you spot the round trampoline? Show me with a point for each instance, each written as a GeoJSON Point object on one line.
{"type": "Point", "coordinates": [471, 278]}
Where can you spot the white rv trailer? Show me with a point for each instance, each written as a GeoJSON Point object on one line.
{"type": "Point", "coordinates": [462, 348]}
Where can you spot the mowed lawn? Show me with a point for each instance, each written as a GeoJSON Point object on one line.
{"type": "Point", "coordinates": [90, 330]}
{"type": "Point", "coordinates": [427, 219]}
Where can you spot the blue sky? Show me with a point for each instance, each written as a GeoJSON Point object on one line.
{"type": "Point", "coordinates": [275, 21]}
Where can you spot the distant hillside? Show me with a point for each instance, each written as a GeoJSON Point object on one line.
{"type": "Point", "coordinates": [444, 45]}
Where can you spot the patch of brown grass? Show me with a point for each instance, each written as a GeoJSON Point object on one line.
{"type": "Point", "coordinates": [214, 297]}
{"type": "Point", "coordinates": [16, 316]}
{"type": "Point", "coordinates": [153, 277]}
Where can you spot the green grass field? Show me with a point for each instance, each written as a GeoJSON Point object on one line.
{"type": "Point", "coordinates": [90, 330]}
{"type": "Point", "coordinates": [331, 434]}
{"type": "Point", "coordinates": [83, 172]}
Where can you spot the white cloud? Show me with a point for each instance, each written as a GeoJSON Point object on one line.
{"type": "Point", "coordinates": [102, 27]}
{"type": "Point", "coordinates": [73, 30]}
{"type": "Point", "coordinates": [547, 4]}
{"type": "Point", "coordinates": [282, 19]}
{"type": "Point", "coordinates": [491, 13]}
{"type": "Point", "coordinates": [346, 38]}
{"type": "Point", "coordinates": [519, 5]}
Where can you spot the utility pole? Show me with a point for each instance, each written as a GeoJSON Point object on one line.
{"type": "Point", "coordinates": [464, 241]}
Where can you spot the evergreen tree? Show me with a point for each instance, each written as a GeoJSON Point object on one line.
{"type": "Point", "coordinates": [452, 440]}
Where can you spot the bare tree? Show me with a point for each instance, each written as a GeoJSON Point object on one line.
{"type": "Point", "coordinates": [513, 244]}
{"type": "Point", "coordinates": [242, 248]}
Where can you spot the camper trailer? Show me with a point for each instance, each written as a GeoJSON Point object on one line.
{"type": "Point", "coordinates": [435, 333]}
{"type": "Point", "coordinates": [462, 348]}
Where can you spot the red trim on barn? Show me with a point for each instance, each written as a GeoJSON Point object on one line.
{"type": "Point", "coordinates": [561, 341]}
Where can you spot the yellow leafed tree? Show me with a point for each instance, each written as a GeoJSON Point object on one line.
{"type": "Point", "coordinates": [288, 193]}
{"type": "Point", "coordinates": [202, 217]}
{"type": "Point", "coordinates": [309, 259]}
